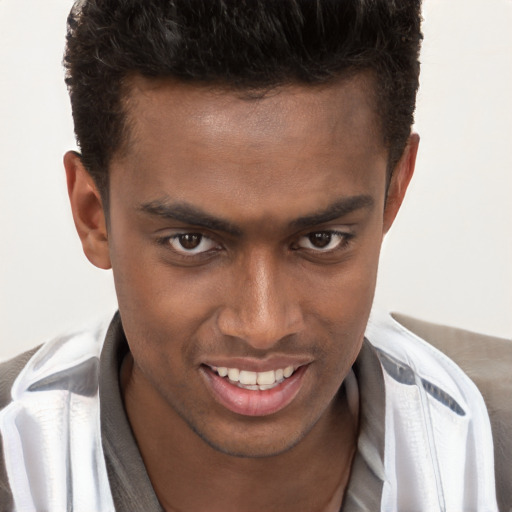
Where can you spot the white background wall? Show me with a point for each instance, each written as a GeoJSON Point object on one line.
{"type": "Point", "coordinates": [448, 258]}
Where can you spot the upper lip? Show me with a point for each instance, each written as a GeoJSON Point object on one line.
{"type": "Point", "coordinates": [258, 365]}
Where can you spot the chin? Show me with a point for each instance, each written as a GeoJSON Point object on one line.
{"type": "Point", "coordinates": [246, 450]}
{"type": "Point", "coordinates": [247, 445]}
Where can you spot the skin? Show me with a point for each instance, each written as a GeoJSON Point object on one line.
{"type": "Point", "coordinates": [261, 286]}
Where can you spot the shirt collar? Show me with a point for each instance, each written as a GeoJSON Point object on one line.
{"type": "Point", "coordinates": [364, 490]}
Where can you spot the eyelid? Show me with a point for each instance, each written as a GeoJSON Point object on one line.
{"type": "Point", "coordinates": [171, 235]}
{"type": "Point", "coordinates": [345, 237]}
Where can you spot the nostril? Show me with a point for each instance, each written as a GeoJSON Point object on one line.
{"type": "Point", "coordinates": [261, 329]}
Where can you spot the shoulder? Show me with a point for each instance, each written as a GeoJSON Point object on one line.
{"type": "Point", "coordinates": [51, 357]}
{"type": "Point", "coordinates": [439, 445]}
{"type": "Point", "coordinates": [33, 414]}
{"type": "Point", "coordinates": [459, 369]}
{"type": "Point", "coordinates": [399, 345]}
{"type": "Point", "coordinates": [9, 370]}
{"type": "Point", "coordinates": [487, 360]}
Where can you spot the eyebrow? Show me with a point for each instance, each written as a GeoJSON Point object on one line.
{"type": "Point", "coordinates": [340, 208]}
{"type": "Point", "coordinates": [188, 214]}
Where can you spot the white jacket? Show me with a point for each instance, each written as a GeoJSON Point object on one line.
{"type": "Point", "coordinates": [54, 458]}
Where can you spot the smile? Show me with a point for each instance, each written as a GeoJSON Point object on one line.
{"type": "Point", "coordinates": [253, 381]}
{"type": "Point", "coordinates": [250, 393]}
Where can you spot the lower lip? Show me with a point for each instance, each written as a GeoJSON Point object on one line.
{"type": "Point", "coordinates": [253, 403]}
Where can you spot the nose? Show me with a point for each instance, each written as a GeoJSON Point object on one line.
{"type": "Point", "coordinates": [263, 306]}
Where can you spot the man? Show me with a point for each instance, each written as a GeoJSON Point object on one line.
{"type": "Point", "coordinates": [240, 164]}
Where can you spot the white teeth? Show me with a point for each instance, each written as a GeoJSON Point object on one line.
{"type": "Point", "coordinates": [266, 378]}
{"type": "Point", "coordinates": [287, 371]}
{"type": "Point", "coordinates": [233, 374]}
{"type": "Point", "coordinates": [248, 378]}
{"type": "Point", "coordinates": [255, 380]}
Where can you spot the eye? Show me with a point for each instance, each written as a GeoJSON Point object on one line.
{"type": "Point", "coordinates": [323, 241]}
{"type": "Point", "coordinates": [191, 243]}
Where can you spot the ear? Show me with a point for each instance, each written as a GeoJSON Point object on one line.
{"type": "Point", "coordinates": [400, 179]}
{"type": "Point", "coordinates": [88, 212]}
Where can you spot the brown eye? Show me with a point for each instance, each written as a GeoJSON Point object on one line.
{"type": "Point", "coordinates": [323, 241]}
{"type": "Point", "coordinates": [190, 241]}
{"type": "Point", "coordinates": [320, 240]}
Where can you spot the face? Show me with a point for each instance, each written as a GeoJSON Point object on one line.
{"type": "Point", "coordinates": [244, 237]}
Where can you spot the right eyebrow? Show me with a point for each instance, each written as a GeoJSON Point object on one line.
{"type": "Point", "coordinates": [188, 214]}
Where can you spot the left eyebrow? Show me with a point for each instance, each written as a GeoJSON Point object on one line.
{"type": "Point", "coordinates": [334, 211]}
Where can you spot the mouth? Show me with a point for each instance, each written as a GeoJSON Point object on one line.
{"type": "Point", "coordinates": [251, 393]}
{"type": "Point", "coordinates": [253, 381]}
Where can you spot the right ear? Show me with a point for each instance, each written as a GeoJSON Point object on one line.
{"type": "Point", "coordinates": [88, 211]}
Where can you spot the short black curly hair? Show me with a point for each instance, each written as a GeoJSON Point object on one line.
{"type": "Point", "coordinates": [243, 44]}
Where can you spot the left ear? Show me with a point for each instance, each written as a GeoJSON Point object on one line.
{"type": "Point", "coordinates": [400, 180]}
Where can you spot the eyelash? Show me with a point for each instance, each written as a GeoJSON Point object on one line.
{"type": "Point", "coordinates": [167, 240]}
{"type": "Point", "coordinates": [342, 244]}
{"type": "Point", "coordinates": [345, 239]}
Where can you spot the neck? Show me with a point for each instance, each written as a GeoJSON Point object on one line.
{"type": "Point", "coordinates": [189, 475]}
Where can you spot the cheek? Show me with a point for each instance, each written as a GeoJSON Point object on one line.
{"type": "Point", "coordinates": [163, 308]}
{"type": "Point", "coordinates": [344, 291]}
{"type": "Point", "coordinates": [341, 306]}
{"type": "Point", "coordinates": [144, 282]}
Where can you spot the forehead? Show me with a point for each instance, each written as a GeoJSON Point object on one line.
{"type": "Point", "coordinates": [187, 140]}
{"type": "Point", "coordinates": [304, 108]}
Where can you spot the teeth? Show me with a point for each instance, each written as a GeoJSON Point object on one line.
{"type": "Point", "coordinates": [255, 380]}
{"type": "Point", "coordinates": [233, 374]}
{"type": "Point", "coordinates": [266, 378]}
{"type": "Point", "coordinates": [248, 378]}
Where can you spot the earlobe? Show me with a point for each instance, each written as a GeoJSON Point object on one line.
{"type": "Point", "coordinates": [88, 212]}
{"type": "Point", "coordinates": [400, 180]}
